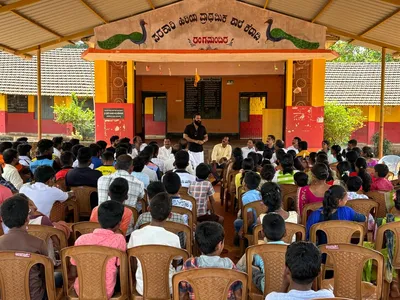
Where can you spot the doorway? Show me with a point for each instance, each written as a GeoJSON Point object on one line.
{"type": "Point", "coordinates": [154, 110]}
{"type": "Point", "coordinates": [251, 107]}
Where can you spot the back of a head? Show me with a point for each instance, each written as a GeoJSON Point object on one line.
{"type": "Point", "coordinates": [292, 153]}
{"type": "Point", "coordinates": [271, 196]}
{"type": "Point", "coordinates": [160, 207]}
{"type": "Point", "coordinates": [118, 189]}
{"type": "Point", "coordinates": [322, 157]}
{"type": "Point", "coordinates": [268, 172]}
{"type": "Point", "coordinates": [44, 145]}
{"type": "Point", "coordinates": [67, 158]}
{"type": "Point", "coordinates": [9, 155]}
{"type": "Point", "coordinates": [268, 152]}
{"type": "Point", "coordinates": [301, 179]}
{"type": "Point", "coordinates": [337, 149]}
{"type": "Point", "coordinates": [66, 146]}
{"type": "Point", "coordinates": [110, 214]}
{"type": "Point", "coordinates": [253, 156]}
{"type": "Point", "coordinates": [203, 171]}
{"type": "Point", "coordinates": [252, 180]}
{"type": "Point", "coordinates": [208, 236]}
{"type": "Point", "coordinates": [353, 143]}
{"type": "Point", "coordinates": [74, 142]}
{"type": "Point", "coordinates": [148, 151]}
{"type": "Point", "coordinates": [84, 155]}
{"type": "Point", "coordinates": [368, 153]}
{"type": "Point", "coordinates": [287, 164]}
{"type": "Point", "coordinates": [57, 141]}
{"type": "Point", "coordinates": [75, 149]}
{"type": "Point", "coordinates": [303, 145]}
{"type": "Point", "coordinates": [320, 171]}
{"type": "Point", "coordinates": [107, 156]}
{"type": "Point", "coordinates": [357, 150]}
{"type": "Point", "coordinates": [280, 144]}
{"type": "Point", "coordinates": [313, 157]}
{"type": "Point", "coordinates": [138, 164]}
{"type": "Point", "coordinates": [125, 140]}
{"type": "Point", "coordinates": [102, 145]}
{"type": "Point", "coordinates": [22, 139]}
{"type": "Point", "coordinates": [120, 151]}
{"type": "Point", "coordinates": [176, 148]}
{"type": "Point", "coordinates": [95, 149]}
{"type": "Point", "coordinates": [172, 182]}
{"type": "Point", "coordinates": [273, 227]}
{"type": "Point", "coordinates": [24, 149]}
{"type": "Point", "coordinates": [44, 174]}
{"type": "Point", "coordinates": [4, 146]}
{"type": "Point", "coordinates": [280, 153]}
{"type": "Point", "coordinates": [183, 143]}
{"type": "Point", "coordinates": [155, 148]}
{"type": "Point", "coordinates": [331, 200]}
{"type": "Point", "coordinates": [248, 164]}
{"type": "Point", "coordinates": [15, 145]}
{"type": "Point", "coordinates": [237, 152]}
{"type": "Point", "coordinates": [298, 164]}
{"type": "Point", "coordinates": [361, 164]}
{"type": "Point", "coordinates": [260, 146]}
{"type": "Point", "coordinates": [303, 259]}
{"type": "Point", "coordinates": [113, 139]}
{"type": "Point", "coordinates": [381, 169]}
{"type": "Point", "coordinates": [354, 184]}
{"type": "Point", "coordinates": [181, 159]}
{"type": "Point", "coordinates": [14, 211]}
{"type": "Point", "coordinates": [352, 156]}
{"type": "Point", "coordinates": [124, 162]}
{"type": "Point", "coordinates": [154, 188]}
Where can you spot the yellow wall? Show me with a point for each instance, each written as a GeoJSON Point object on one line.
{"type": "Point", "coordinates": [272, 123]}
{"type": "Point", "coordinates": [289, 83]}
{"type": "Point", "coordinates": [101, 83]}
{"type": "Point", "coordinates": [130, 77]}
{"type": "Point", "coordinates": [257, 105]}
{"type": "Point", "coordinates": [372, 113]}
{"type": "Point", "coordinates": [3, 102]}
{"type": "Point", "coordinates": [317, 82]}
{"type": "Point", "coordinates": [148, 106]}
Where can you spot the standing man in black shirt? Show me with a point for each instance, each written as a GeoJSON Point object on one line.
{"type": "Point", "coordinates": [196, 135]}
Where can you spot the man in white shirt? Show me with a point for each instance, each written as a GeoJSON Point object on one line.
{"type": "Point", "coordinates": [138, 146]}
{"type": "Point", "coordinates": [181, 163]}
{"type": "Point", "coordinates": [42, 193]}
{"type": "Point", "coordinates": [250, 148]}
{"type": "Point", "coordinates": [155, 234]}
{"type": "Point", "coordinates": [278, 145]}
{"type": "Point", "coordinates": [124, 169]}
{"type": "Point", "coordinates": [10, 172]}
{"type": "Point", "coordinates": [295, 144]}
{"type": "Point", "coordinates": [303, 264]}
{"type": "Point", "coordinates": [57, 145]}
{"type": "Point", "coordinates": [166, 150]}
{"type": "Point", "coordinates": [156, 157]}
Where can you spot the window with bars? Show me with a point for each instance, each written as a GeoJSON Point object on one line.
{"type": "Point", "coordinates": [47, 107]}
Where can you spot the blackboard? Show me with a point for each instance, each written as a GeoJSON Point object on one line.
{"type": "Point", "coordinates": [113, 113]}
{"type": "Point", "coordinates": [17, 103]}
{"type": "Point", "coordinates": [204, 99]}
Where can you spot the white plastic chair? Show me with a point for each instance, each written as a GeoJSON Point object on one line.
{"type": "Point", "coordinates": [392, 161]}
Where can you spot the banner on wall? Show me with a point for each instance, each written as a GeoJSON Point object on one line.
{"type": "Point", "coordinates": [210, 25]}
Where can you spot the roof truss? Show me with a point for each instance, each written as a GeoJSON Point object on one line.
{"type": "Point", "coordinates": [17, 5]}
{"type": "Point", "coordinates": [93, 11]}
{"type": "Point", "coordinates": [323, 9]}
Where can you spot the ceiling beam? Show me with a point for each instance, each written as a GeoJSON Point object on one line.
{"type": "Point", "coordinates": [17, 5]}
{"type": "Point", "coordinates": [14, 52]}
{"type": "Point", "coordinates": [74, 36]}
{"type": "Point", "coordinates": [151, 4]}
{"type": "Point", "coordinates": [266, 4]}
{"type": "Point", "coordinates": [394, 2]}
{"type": "Point", "coordinates": [37, 24]}
{"type": "Point", "coordinates": [322, 10]}
{"type": "Point", "coordinates": [89, 7]}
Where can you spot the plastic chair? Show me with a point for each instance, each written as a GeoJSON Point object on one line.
{"type": "Point", "coordinates": [185, 211]}
{"type": "Point", "coordinates": [289, 201]}
{"type": "Point", "coordinates": [337, 231]}
{"type": "Point", "coordinates": [209, 283]}
{"type": "Point", "coordinates": [273, 257]}
{"type": "Point", "coordinates": [81, 228]}
{"type": "Point", "coordinates": [308, 209]}
{"type": "Point", "coordinates": [348, 263]}
{"type": "Point", "coordinates": [260, 208]}
{"type": "Point", "coordinates": [14, 274]}
{"type": "Point", "coordinates": [178, 227]}
{"type": "Point", "coordinates": [291, 229]}
{"type": "Point", "coordinates": [58, 211]}
{"type": "Point", "coordinates": [287, 189]}
{"type": "Point", "coordinates": [230, 190]}
{"type": "Point", "coordinates": [239, 196]}
{"type": "Point", "coordinates": [378, 197]}
{"type": "Point", "coordinates": [365, 207]}
{"type": "Point", "coordinates": [83, 194]}
{"type": "Point", "coordinates": [60, 183]}
{"type": "Point", "coordinates": [186, 196]}
{"type": "Point", "coordinates": [45, 233]}
{"type": "Point", "coordinates": [135, 214]}
{"type": "Point", "coordinates": [392, 161]}
{"type": "Point", "coordinates": [155, 261]}
{"type": "Point", "coordinates": [91, 264]}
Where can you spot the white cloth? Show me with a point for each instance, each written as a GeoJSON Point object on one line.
{"type": "Point", "coordinates": [76, 163]}
{"type": "Point", "coordinates": [293, 148]}
{"type": "Point", "coordinates": [151, 173]}
{"type": "Point", "coordinates": [247, 150]}
{"type": "Point", "coordinates": [25, 160]}
{"type": "Point", "coordinates": [11, 174]}
{"type": "Point", "coordinates": [186, 178]}
{"type": "Point", "coordinates": [57, 152]}
{"type": "Point", "coordinates": [196, 158]}
{"type": "Point", "coordinates": [152, 235]}
{"type": "Point", "coordinates": [159, 162]}
{"type": "Point", "coordinates": [300, 295]}
{"type": "Point", "coordinates": [135, 152]}
{"type": "Point", "coordinates": [164, 153]}
{"type": "Point", "coordinates": [43, 196]}
{"type": "Point", "coordinates": [169, 165]}
{"type": "Point", "coordinates": [274, 159]}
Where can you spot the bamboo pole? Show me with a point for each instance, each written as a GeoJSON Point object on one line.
{"type": "Point", "coordinates": [39, 93]}
{"type": "Point", "coordinates": [382, 112]}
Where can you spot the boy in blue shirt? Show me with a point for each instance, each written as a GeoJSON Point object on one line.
{"type": "Point", "coordinates": [251, 182]}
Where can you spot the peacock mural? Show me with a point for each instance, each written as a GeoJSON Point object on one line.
{"type": "Point", "coordinates": [277, 35]}
{"type": "Point", "coordinates": [137, 38]}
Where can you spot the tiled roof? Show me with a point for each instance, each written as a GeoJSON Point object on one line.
{"type": "Point", "coordinates": [360, 83]}
{"type": "Point", "coordinates": [63, 72]}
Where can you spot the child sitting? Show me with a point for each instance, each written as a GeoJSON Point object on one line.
{"type": "Point", "coordinates": [210, 240]}
{"type": "Point", "coordinates": [251, 182]}
{"type": "Point", "coordinates": [354, 185]}
{"type": "Point", "coordinates": [67, 160]}
{"type": "Point", "coordinates": [303, 264]}
{"type": "Point", "coordinates": [300, 179]}
{"type": "Point", "coordinates": [107, 159]}
{"type": "Point", "coordinates": [202, 190]}
{"type": "Point", "coordinates": [110, 214]}
{"type": "Point", "coordinates": [118, 191]}
{"type": "Point", "coordinates": [267, 174]}
{"type": "Point", "coordinates": [155, 234]}
{"type": "Point", "coordinates": [380, 183]}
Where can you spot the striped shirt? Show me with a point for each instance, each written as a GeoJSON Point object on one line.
{"type": "Point", "coordinates": [281, 178]}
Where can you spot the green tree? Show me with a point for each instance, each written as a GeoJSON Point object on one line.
{"type": "Point", "coordinates": [351, 53]}
{"type": "Point", "coordinates": [81, 119]}
{"type": "Point", "coordinates": [341, 122]}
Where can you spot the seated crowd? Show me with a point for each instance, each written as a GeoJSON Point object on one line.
{"type": "Point", "coordinates": [142, 188]}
